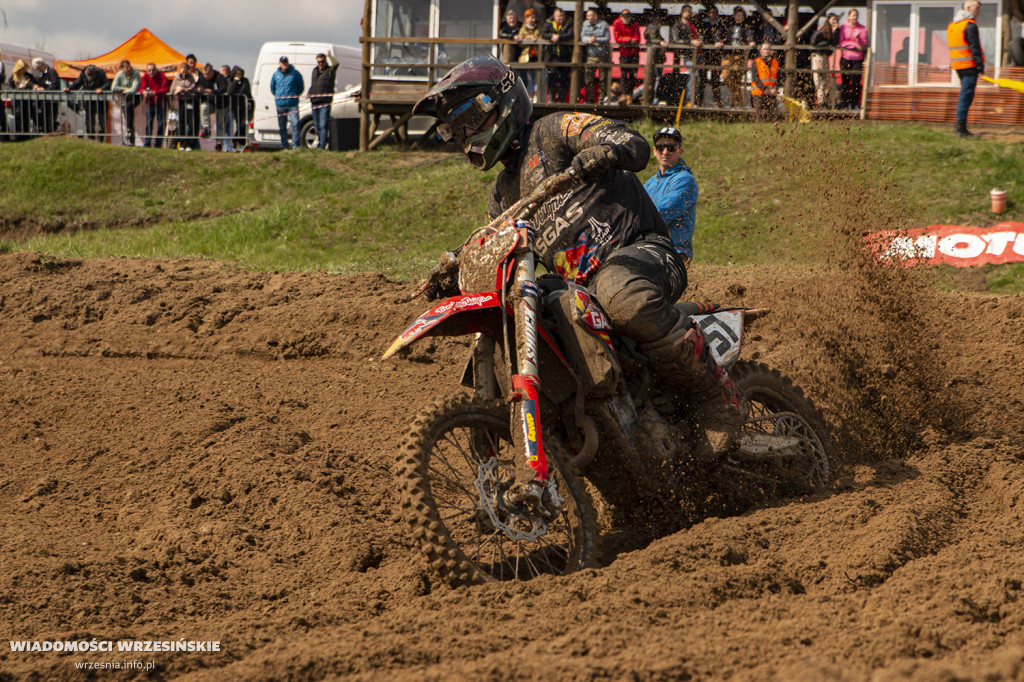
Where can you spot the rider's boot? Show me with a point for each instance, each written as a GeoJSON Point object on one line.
{"type": "Point", "coordinates": [685, 365]}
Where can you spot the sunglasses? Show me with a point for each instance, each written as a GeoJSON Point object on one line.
{"type": "Point", "coordinates": [666, 147]}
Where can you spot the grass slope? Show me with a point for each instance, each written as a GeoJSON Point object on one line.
{"type": "Point", "coordinates": [780, 194]}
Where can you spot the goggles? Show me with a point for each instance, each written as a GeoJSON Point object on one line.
{"type": "Point", "coordinates": [466, 119]}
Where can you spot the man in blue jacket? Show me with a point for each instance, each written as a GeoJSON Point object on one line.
{"type": "Point", "coordinates": [673, 190]}
{"type": "Point", "coordinates": [286, 86]}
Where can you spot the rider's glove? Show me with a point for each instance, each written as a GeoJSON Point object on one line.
{"type": "Point", "coordinates": [591, 164]}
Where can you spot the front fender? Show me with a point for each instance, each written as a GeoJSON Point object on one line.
{"type": "Point", "coordinates": [454, 316]}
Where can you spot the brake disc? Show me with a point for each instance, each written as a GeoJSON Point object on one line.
{"type": "Point", "coordinates": [511, 520]}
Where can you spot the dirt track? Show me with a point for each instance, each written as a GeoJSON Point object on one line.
{"type": "Point", "coordinates": [191, 452]}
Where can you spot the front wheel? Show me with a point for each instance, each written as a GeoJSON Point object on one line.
{"type": "Point", "coordinates": [785, 437]}
{"type": "Point", "coordinates": [455, 471]}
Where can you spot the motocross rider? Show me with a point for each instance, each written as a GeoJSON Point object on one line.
{"type": "Point", "coordinates": [604, 233]}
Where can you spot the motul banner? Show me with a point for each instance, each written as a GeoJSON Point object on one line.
{"type": "Point", "coordinates": [954, 245]}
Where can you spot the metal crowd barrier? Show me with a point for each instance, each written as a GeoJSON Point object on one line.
{"type": "Point", "coordinates": [184, 121]}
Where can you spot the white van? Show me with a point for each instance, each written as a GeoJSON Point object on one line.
{"type": "Point", "coordinates": [264, 132]}
{"type": "Point", "coordinates": [12, 53]}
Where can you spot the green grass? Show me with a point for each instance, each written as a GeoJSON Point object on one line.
{"type": "Point", "coordinates": [768, 194]}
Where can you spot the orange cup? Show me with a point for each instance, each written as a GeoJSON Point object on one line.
{"type": "Point", "coordinates": [998, 200]}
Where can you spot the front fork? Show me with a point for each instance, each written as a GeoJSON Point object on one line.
{"type": "Point", "coordinates": [526, 380]}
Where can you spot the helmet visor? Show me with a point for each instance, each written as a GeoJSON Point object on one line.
{"type": "Point", "coordinates": [467, 119]}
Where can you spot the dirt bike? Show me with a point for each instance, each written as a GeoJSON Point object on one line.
{"type": "Point", "coordinates": [491, 480]}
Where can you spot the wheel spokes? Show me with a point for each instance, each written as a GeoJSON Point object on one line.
{"type": "Point", "coordinates": [470, 467]}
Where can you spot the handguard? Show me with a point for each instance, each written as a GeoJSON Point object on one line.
{"type": "Point", "coordinates": [443, 279]}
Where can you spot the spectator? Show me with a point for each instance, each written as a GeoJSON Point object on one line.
{"type": "Point", "coordinates": [225, 135]}
{"type": "Point", "coordinates": [240, 94]}
{"type": "Point", "coordinates": [714, 33]}
{"type": "Point", "coordinates": [509, 30]}
{"type": "Point", "coordinates": [559, 32]}
{"type": "Point", "coordinates": [182, 121]}
{"type": "Point", "coordinates": [195, 111]}
{"type": "Point", "coordinates": [764, 78]}
{"type": "Point", "coordinates": [673, 190]}
{"type": "Point", "coordinates": [47, 80]}
{"type": "Point", "coordinates": [321, 94]}
{"type": "Point", "coordinates": [835, 59]}
{"type": "Point", "coordinates": [853, 39]}
{"type": "Point", "coordinates": [656, 40]}
{"type": "Point", "coordinates": [626, 34]}
{"type": "Point", "coordinates": [286, 86]}
{"type": "Point", "coordinates": [615, 95]}
{"type": "Point", "coordinates": [127, 82]}
{"type": "Point", "coordinates": [595, 36]}
{"type": "Point", "coordinates": [529, 37]}
{"type": "Point", "coordinates": [24, 104]}
{"type": "Point", "coordinates": [3, 107]}
{"type": "Point", "coordinates": [734, 61]}
{"type": "Point", "coordinates": [154, 88]}
{"type": "Point", "coordinates": [825, 40]}
{"type": "Point", "coordinates": [768, 33]}
{"type": "Point", "coordinates": [967, 58]}
{"type": "Point", "coordinates": [685, 34]}
{"type": "Point", "coordinates": [212, 86]}
{"type": "Point", "coordinates": [93, 82]}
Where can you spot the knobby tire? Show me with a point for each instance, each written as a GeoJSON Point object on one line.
{"type": "Point", "coordinates": [437, 469]}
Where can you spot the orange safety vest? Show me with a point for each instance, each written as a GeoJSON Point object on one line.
{"type": "Point", "coordinates": [959, 54]}
{"type": "Point", "coordinates": [767, 73]}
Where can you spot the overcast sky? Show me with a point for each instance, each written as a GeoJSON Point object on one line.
{"type": "Point", "coordinates": [221, 31]}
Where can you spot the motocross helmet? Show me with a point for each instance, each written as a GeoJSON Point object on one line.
{"type": "Point", "coordinates": [483, 105]}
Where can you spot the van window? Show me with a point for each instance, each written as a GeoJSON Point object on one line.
{"type": "Point", "coordinates": [263, 77]}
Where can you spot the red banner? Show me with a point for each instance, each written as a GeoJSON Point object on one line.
{"type": "Point", "coordinates": [954, 245]}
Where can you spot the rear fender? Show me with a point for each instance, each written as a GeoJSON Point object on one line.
{"type": "Point", "coordinates": [454, 316]}
{"type": "Point", "coordinates": [723, 330]}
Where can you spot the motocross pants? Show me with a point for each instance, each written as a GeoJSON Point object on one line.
{"type": "Point", "coordinates": [637, 287]}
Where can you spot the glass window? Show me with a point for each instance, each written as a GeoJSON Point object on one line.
{"type": "Point", "coordinates": [401, 19]}
{"type": "Point", "coordinates": [910, 41]}
{"type": "Point", "coordinates": [465, 19]}
{"type": "Point", "coordinates": [933, 51]}
{"type": "Point", "coordinates": [987, 22]}
{"type": "Point", "coordinates": [891, 60]}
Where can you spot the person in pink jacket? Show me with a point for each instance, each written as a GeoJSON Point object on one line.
{"type": "Point", "coordinates": [853, 40]}
{"type": "Point", "coordinates": [626, 33]}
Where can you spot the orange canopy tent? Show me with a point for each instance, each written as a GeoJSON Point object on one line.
{"type": "Point", "coordinates": [140, 49]}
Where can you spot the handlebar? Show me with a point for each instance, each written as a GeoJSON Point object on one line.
{"type": "Point", "coordinates": [544, 191]}
{"type": "Point", "coordinates": [444, 274]}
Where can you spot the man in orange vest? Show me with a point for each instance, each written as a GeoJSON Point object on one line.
{"type": "Point", "coordinates": [967, 58]}
{"type": "Point", "coordinates": [764, 78]}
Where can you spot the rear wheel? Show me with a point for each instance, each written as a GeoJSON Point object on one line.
{"type": "Point", "coordinates": [784, 438]}
{"type": "Point", "coordinates": [455, 473]}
